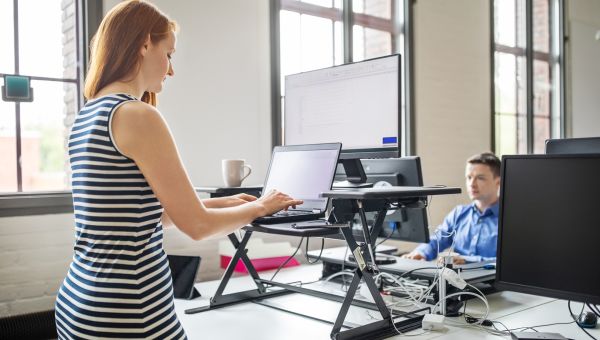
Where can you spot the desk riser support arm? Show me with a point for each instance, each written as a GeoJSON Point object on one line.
{"type": "Point", "coordinates": [241, 253]}
{"type": "Point", "coordinates": [219, 300]}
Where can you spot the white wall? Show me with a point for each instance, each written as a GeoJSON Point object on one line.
{"type": "Point", "coordinates": [452, 92]}
{"type": "Point", "coordinates": [583, 59]}
{"type": "Point", "coordinates": [218, 103]}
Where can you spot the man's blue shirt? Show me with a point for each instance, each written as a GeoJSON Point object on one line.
{"type": "Point", "coordinates": [474, 234]}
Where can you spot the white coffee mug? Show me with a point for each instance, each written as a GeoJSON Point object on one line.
{"type": "Point", "coordinates": [233, 172]}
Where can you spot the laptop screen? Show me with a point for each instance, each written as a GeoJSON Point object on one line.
{"type": "Point", "coordinates": [303, 172]}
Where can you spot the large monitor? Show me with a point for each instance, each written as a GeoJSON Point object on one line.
{"type": "Point", "coordinates": [549, 226]}
{"type": "Point", "coordinates": [573, 145]}
{"type": "Point", "coordinates": [408, 223]}
{"type": "Point", "coordinates": [357, 104]}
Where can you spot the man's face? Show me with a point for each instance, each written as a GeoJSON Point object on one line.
{"type": "Point", "coordinates": [482, 185]}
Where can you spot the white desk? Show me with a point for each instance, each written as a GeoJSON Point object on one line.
{"type": "Point", "coordinates": [254, 321]}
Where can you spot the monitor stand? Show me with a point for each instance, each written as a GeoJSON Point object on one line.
{"type": "Point", "coordinates": [355, 174]}
{"type": "Point", "coordinates": [350, 185]}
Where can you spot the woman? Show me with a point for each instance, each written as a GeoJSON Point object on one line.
{"type": "Point", "coordinates": [128, 182]}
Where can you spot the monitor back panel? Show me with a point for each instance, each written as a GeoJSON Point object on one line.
{"type": "Point", "coordinates": [549, 226]}
{"type": "Point", "coordinates": [409, 224]}
{"type": "Point", "coordinates": [573, 146]}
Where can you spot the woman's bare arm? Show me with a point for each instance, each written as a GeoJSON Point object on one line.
{"type": "Point", "coordinates": [228, 201]}
{"type": "Point", "coordinates": [141, 133]}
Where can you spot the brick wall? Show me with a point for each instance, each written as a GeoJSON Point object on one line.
{"type": "Point", "coordinates": [452, 92]}
{"type": "Point", "coordinates": [35, 253]}
{"type": "Point", "coordinates": [69, 68]}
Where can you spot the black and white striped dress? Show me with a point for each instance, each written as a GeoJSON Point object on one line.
{"type": "Point", "coordinates": [119, 283]}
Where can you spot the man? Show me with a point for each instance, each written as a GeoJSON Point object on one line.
{"type": "Point", "coordinates": [471, 229]}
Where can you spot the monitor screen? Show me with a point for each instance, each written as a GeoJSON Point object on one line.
{"type": "Point", "coordinates": [549, 227]}
{"type": "Point", "coordinates": [303, 172]}
{"type": "Point", "coordinates": [357, 104]}
{"type": "Point", "coordinates": [573, 145]}
{"type": "Point", "coordinates": [408, 223]}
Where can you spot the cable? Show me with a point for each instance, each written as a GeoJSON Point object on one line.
{"type": "Point", "coordinates": [594, 308]}
{"type": "Point", "coordinates": [482, 298]}
{"type": "Point", "coordinates": [417, 300]}
{"type": "Point", "coordinates": [575, 320]}
{"type": "Point", "coordinates": [477, 320]}
{"type": "Point", "coordinates": [345, 284]}
{"type": "Point", "coordinates": [288, 259]}
{"type": "Point", "coordinates": [341, 273]}
{"type": "Point", "coordinates": [506, 331]}
{"type": "Point", "coordinates": [416, 269]}
{"type": "Point", "coordinates": [320, 253]}
{"type": "Point", "coordinates": [387, 238]}
{"type": "Point", "coordinates": [538, 326]}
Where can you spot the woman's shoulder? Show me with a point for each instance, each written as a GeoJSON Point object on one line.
{"type": "Point", "coordinates": [138, 111]}
{"type": "Point", "coordinates": [139, 116]}
{"type": "Point", "coordinates": [136, 121]}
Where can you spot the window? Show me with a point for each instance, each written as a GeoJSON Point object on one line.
{"type": "Point", "coordinates": [42, 41]}
{"type": "Point", "coordinates": [313, 34]}
{"type": "Point", "coordinates": [528, 82]}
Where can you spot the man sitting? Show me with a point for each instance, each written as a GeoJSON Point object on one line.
{"type": "Point", "coordinates": [472, 229]}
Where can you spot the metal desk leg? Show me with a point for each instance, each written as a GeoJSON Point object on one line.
{"type": "Point", "coordinates": [219, 300]}
{"type": "Point", "coordinates": [377, 329]}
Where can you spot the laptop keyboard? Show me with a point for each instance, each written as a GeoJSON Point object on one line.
{"type": "Point", "coordinates": [289, 216]}
{"type": "Point", "coordinates": [292, 213]}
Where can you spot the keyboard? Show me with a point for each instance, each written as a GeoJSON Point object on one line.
{"type": "Point", "coordinates": [292, 213]}
{"type": "Point", "coordinates": [289, 216]}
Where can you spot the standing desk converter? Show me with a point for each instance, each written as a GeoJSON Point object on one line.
{"type": "Point", "coordinates": [346, 203]}
{"type": "Point", "coordinates": [221, 192]}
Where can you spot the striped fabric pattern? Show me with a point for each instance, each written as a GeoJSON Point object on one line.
{"type": "Point", "coordinates": [119, 283]}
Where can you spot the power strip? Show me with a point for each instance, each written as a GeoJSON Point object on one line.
{"type": "Point", "coordinates": [433, 322]}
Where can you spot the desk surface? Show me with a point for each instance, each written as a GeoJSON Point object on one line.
{"type": "Point", "coordinates": [337, 254]}
{"type": "Point", "coordinates": [230, 190]}
{"type": "Point", "coordinates": [255, 321]}
{"type": "Point", "coordinates": [393, 192]}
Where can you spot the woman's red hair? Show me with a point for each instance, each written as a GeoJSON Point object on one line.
{"type": "Point", "coordinates": [115, 48]}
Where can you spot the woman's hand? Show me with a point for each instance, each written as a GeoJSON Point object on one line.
{"type": "Point", "coordinates": [275, 201]}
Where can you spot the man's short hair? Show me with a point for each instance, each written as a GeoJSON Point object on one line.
{"type": "Point", "coordinates": [489, 159]}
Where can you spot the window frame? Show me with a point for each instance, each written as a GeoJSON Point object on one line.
{"type": "Point", "coordinates": [349, 19]}
{"type": "Point", "coordinates": [554, 57]}
{"type": "Point", "coordinates": [88, 14]}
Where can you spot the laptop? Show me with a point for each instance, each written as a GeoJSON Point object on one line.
{"type": "Point", "coordinates": [303, 172]}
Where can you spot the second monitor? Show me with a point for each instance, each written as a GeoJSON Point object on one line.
{"type": "Point", "coordinates": [408, 223]}
{"type": "Point", "coordinates": [357, 104]}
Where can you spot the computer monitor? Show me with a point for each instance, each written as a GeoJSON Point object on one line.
{"type": "Point", "coordinates": [548, 226]}
{"type": "Point", "coordinates": [357, 104]}
{"type": "Point", "coordinates": [573, 145]}
{"type": "Point", "coordinates": [408, 223]}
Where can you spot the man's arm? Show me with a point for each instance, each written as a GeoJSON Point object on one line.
{"type": "Point", "coordinates": [440, 240]}
{"type": "Point", "coordinates": [477, 258]}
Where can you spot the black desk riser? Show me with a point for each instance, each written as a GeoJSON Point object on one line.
{"type": "Point", "coordinates": [347, 204]}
